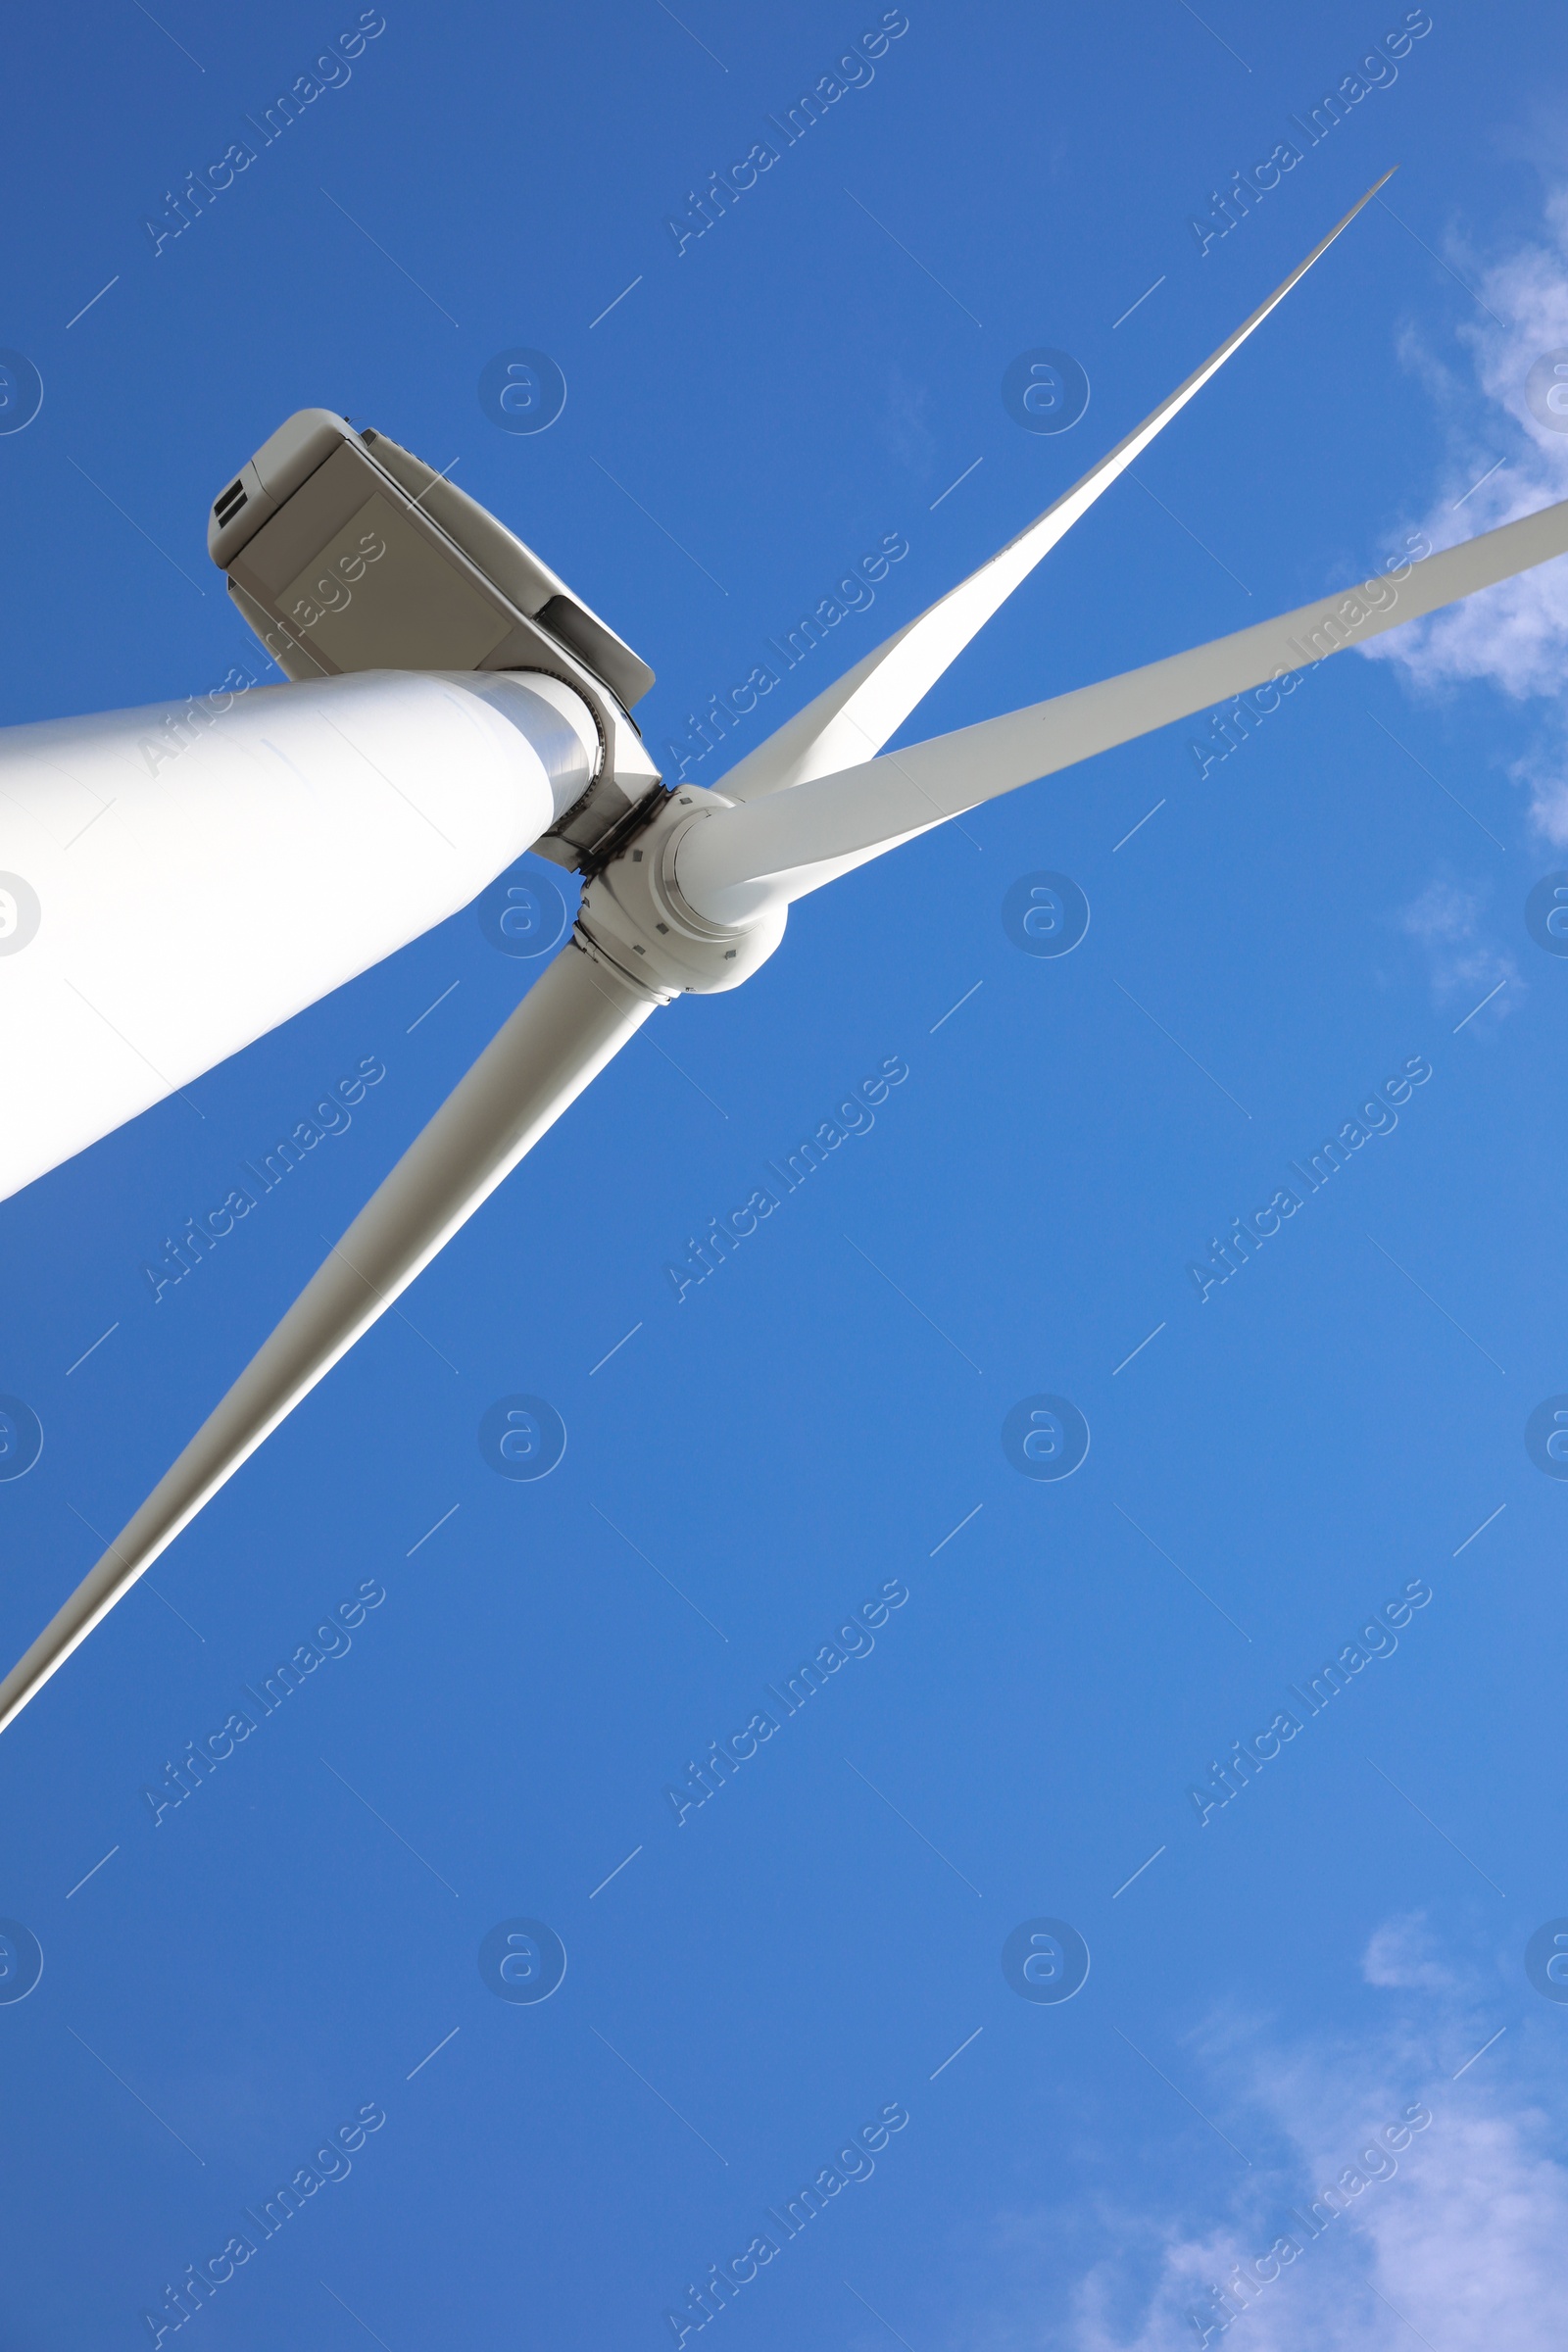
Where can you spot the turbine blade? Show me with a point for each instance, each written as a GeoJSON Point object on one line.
{"type": "Point", "coordinates": [577, 1017]}
{"type": "Point", "coordinates": [197, 872]}
{"type": "Point", "coordinates": [853, 719]}
{"type": "Point", "coordinates": [743, 858]}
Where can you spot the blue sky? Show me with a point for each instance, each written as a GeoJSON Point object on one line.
{"type": "Point", "coordinates": [818, 1949]}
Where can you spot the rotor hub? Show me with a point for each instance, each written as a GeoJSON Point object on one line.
{"type": "Point", "coordinates": [634, 918]}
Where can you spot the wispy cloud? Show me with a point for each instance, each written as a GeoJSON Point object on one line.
{"type": "Point", "coordinates": [1444, 922]}
{"type": "Point", "coordinates": [1501, 461]}
{"type": "Point", "coordinates": [1465, 2244]}
{"type": "Point", "coordinates": [906, 422]}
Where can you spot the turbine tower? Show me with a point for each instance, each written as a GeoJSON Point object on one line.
{"type": "Point", "coordinates": [452, 703]}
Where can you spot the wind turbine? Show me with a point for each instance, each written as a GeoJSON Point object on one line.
{"type": "Point", "coordinates": [193, 880]}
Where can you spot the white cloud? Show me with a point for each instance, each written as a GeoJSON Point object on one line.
{"type": "Point", "coordinates": [1444, 922]}
{"type": "Point", "coordinates": [1403, 1957]}
{"type": "Point", "coordinates": [1514, 636]}
{"type": "Point", "coordinates": [1466, 2243]}
{"type": "Point", "coordinates": [906, 425]}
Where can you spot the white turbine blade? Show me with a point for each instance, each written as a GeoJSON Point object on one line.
{"type": "Point", "coordinates": [575, 1018]}
{"type": "Point", "coordinates": [743, 858]}
{"type": "Point", "coordinates": [175, 881]}
{"type": "Point", "coordinates": [853, 719]}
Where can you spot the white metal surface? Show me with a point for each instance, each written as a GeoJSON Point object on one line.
{"type": "Point", "coordinates": [779, 849]}
{"type": "Point", "coordinates": [575, 1017]}
{"type": "Point", "coordinates": [853, 719]}
{"type": "Point", "coordinates": [177, 880]}
{"type": "Point", "coordinates": [696, 899]}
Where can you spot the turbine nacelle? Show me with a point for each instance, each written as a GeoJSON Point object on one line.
{"type": "Point", "coordinates": [686, 890]}
{"type": "Point", "coordinates": [346, 552]}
